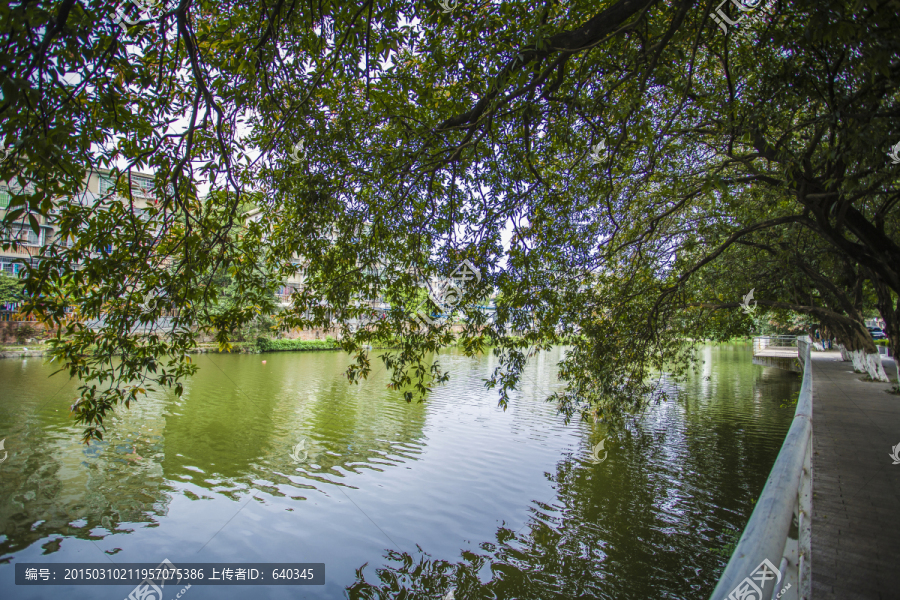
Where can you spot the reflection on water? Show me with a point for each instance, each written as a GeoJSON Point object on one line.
{"type": "Point", "coordinates": [646, 523]}
{"type": "Point", "coordinates": [451, 493]}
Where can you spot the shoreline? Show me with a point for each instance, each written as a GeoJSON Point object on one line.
{"type": "Point", "coordinates": [40, 352]}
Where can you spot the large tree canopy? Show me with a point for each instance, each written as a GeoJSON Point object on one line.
{"type": "Point", "coordinates": [629, 148]}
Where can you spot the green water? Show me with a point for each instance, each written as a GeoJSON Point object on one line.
{"type": "Point", "coordinates": [451, 493]}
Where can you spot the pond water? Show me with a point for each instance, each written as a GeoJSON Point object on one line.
{"type": "Point", "coordinates": [286, 462]}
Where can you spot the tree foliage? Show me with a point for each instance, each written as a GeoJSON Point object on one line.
{"type": "Point", "coordinates": [10, 289]}
{"type": "Point", "coordinates": [633, 151]}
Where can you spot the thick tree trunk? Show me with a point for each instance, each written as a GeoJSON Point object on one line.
{"type": "Point", "coordinates": [892, 331]}
{"type": "Point", "coordinates": [873, 366]}
{"type": "Point", "coordinates": [857, 345]}
{"type": "Point", "coordinates": [894, 344]}
{"type": "Point", "coordinates": [845, 356]}
{"type": "Point", "coordinates": [890, 313]}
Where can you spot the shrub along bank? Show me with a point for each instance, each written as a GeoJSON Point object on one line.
{"type": "Point", "coordinates": [264, 344]}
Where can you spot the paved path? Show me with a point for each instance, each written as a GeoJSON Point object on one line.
{"type": "Point", "coordinates": [856, 488]}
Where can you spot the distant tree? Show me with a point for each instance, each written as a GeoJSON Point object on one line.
{"type": "Point", "coordinates": [10, 289]}
{"type": "Point", "coordinates": [231, 299]}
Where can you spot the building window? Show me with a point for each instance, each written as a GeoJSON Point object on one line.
{"type": "Point", "coordinates": [107, 184]}
{"type": "Point", "coordinates": [141, 185]}
{"type": "Point", "coordinates": [8, 267]}
{"type": "Point", "coordinates": [23, 234]}
{"type": "Point", "coordinates": [59, 241]}
{"type": "Point", "coordinates": [5, 197]}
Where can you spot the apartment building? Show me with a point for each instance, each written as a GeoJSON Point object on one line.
{"type": "Point", "coordinates": [97, 184]}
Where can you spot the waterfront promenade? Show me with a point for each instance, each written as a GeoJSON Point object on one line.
{"type": "Point", "coordinates": [856, 488]}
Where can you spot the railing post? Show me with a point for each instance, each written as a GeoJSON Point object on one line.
{"type": "Point", "coordinates": [805, 498]}
{"type": "Point", "coordinates": [805, 523]}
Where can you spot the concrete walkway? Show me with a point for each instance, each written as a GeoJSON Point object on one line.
{"type": "Point", "coordinates": [856, 488]}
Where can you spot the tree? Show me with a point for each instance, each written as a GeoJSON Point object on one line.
{"type": "Point", "coordinates": [626, 146]}
{"type": "Point", "coordinates": [795, 270]}
{"type": "Point", "coordinates": [10, 289]}
{"type": "Point", "coordinates": [232, 298]}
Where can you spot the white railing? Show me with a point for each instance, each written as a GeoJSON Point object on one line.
{"type": "Point", "coordinates": [778, 531]}
{"type": "Point", "coordinates": [775, 341]}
